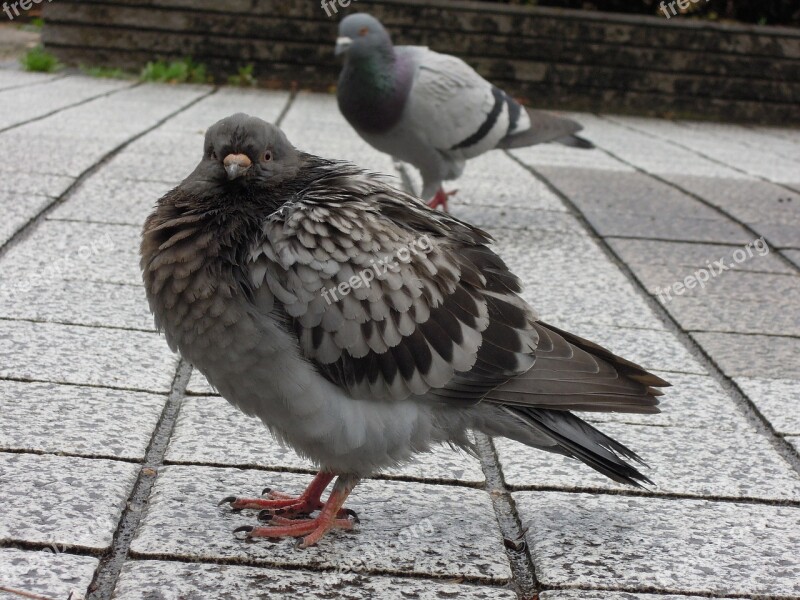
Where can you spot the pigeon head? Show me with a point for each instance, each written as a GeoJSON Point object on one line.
{"type": "Point", "coordinates": [361, 35]}
{"type": "Point", "coordinates": [247, 151]}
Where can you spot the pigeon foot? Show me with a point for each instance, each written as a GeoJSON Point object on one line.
{"type": "Point", "coordinates": [332, 516]}
{"type": "Point", "coordinates": [280, 503]}
{"type": "Point", "coordinates": [440, 199]}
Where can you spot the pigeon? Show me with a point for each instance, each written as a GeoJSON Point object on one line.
{"type": "Point", "coordinates": [362, 326]}
{"type": "Point", "coordinates": [431, 110]}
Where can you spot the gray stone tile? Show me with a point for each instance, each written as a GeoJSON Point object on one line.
{"type": "Point", "coordinates": [18, 210]}
{"type": "Point", "coordinates": [778, 400]}
{"type": "Point", "coordinates": [60, 500]}
{"type": "Point", "coordinates": [46, 573]}
{"type": "Point", "coordinates": [29, 104]}
{"type": "Point", "coordinates": [794, 440]}
{"type": "Point", "coordinates": [88, 421]}
{"type": "Point", "coordinates": [678, 228]}
{"type": "Point", "coordinates": [656, 350]}
{"type": "Point", "coordinates": [494, 179]}
{"type": "Point", "coordinates": [738, 355]}
{"type": "Point", "coordinates": [9, 78]}
{"type": "Point", "coordinates": [141, 580]}
{"type": "Point", "coordinates": [74, 251]}
{"type": "Point", "coordinates": [452, 531]}
{"type": "Point", "coordinates": [84, 355]}
{"type": "Point", "coordinates": [780, 235]}
{"type": "Point", "coordinates": [684, 461]}
{"type": "Point", "coordinates": [693, 401]}
{"type": "Point", "coordinates": [91, 303]}
{"type": "Point", "coordinates": [548, 156]}
{"type": "Point", "coordinates": [492, 217]}
{"type": "Point", "coordinates": [170, 169]}
{"type": "Point", "coordinates": [525, 248]}
{"type": "Point", "coordinates": [793, 255]}
{"type": "Point", "coordinates": [752, 202]}
{"type": "Point", "coordinates": [211, 431]}
{"type": "Point", "coordinates": [680, 254]}
{"type": "Point", "coordinates": [108, 200]}
{"type": "Point", "coordinates": [686, 546]}
{"type": "Point", "coordinates": [742, 286]}
{"type": "Point", "coordinates": [33, 183]}
{"type": "Point", "coordinates": [625, 192]}
{"type": "Point", "coordinates": [772, 315]}
{"type": "Point", "coordinates": [594, 595]}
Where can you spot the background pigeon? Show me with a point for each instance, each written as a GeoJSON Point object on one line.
{"type": "Point", "coordinates": [362, 326]}
{"type": "Point", "coordinates": [429, 109]}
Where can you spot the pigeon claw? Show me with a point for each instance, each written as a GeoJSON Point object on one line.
{"type": "Point", "coordinates": [440, 199]}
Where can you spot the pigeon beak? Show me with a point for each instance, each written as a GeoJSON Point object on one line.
{"type": "Point", "coordinates": [236, 165]}
{"type": "Point", "coordinates": [342, 45]}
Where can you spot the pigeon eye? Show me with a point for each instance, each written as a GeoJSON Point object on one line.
{"type": "Point", "coordinates": [267, 156]}
{"type": "Point", "coordinates": [363, 31]}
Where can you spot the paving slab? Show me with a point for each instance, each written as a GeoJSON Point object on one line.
{"type": "Point", "coordinates": [15, 78]}
{"type": "Point", "coordinates": [210, 430]}
{"type": "Point", "coordinates": [63, 501]}
{"type": "Point", "coordinates": [148, 167]}
{"type": "Point", "coordinates": [693, 401]}
{"type": "Point", "coordinates": [77, 420]}
{"type": "Point", "coordinates": [91, 303]}
{"type": "Point", "coordinates": [626, 543]}
{"type": "Point", "coordinates": [778, 400]}
{"type": "Point", "coordinates": [46, 573]}
{"type": "Point", "coordinates": [32, 183]}
{"type": "Point", "coordinates": [18, 211]}
{"type": "Point", "coordinates": [780, 235]}
{"type": "Point", "coordinates": [739, 355]}
{"type": "Point", "coordinates": [198, 385]}
{"type": "Point", "coordinates": [794, 440]}
{"type": "Point", "coordinates": [141, 580]}
{"type": "Point", "coordinates": [595, 595]}
{"type": "Point", "coordinates": [74, 251]}
{"type": "Point", "coordinates": [515, 218]}
{"type": "Point", "coordinates": [105, 199]}
{"type": "Point", "coordinates": [49, 352]}
{"type": "Point", "coordinates": [546, 156]}
{"type": "Point", "coordinates": [651, 349]}
{"type": "Point", "coordinates": [793, 255]}
{"type": "Point", "coordinates": [29, 104]}
{"type": "Point", "coordinates": [682, 461]}
{"type": "Point", "coordinates": [680, 254]}
{"type": "Point", "coordinates": [408, 528]}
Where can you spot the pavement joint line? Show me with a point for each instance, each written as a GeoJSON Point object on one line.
{"type": "Point", "coordinates": [695, 242]}
{"type": "Point", "coordinates": [89, 385]}
{"type": "Point", "coordinates": [107, 573]}
{"type": "Point", "coordinates": [598, 491]}
{"type": "Point", "coordinates": [740, 400]}
{"type": "Point", "coordinates": [696, 152]}
{"type": "Point", "coordinates": [85, 221]}
{"type": "Point", "coordinates": [61, 453]}
{"type": "Point", "coordinates": [33, 83]}
{"type": "Point", "coordinates": [762, 131]}
{"type": "Point", "coordinates": [72, 324]}
{"type": "Point", "coordinates": [523, 571]}
{"type": "Point", "coordinates": [311, 471]}
{"type": "Point", "coordinates": [41, 216]}
{"type": "Point", "coordinates": [672, 592]}
{"type": "Point", "coordinates": [756, 235]}
{"type": "Point", "coordinates": [69, 106]}
{"type": "Point", "coordinates": [463, 580]}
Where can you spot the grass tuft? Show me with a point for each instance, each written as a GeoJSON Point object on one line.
{"type": "Point", "coordinates": [176, 71]}
{"type": "Point", "coordinates": [244, 77]}
{"type": "Point", "coordinates": [39, 60]}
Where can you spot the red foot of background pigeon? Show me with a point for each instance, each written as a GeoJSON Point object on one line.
{"type": "Point", "coordinates": [440, 199]}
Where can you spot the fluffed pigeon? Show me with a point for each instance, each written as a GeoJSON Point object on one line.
{"type": "Point", "coordinates": [431, 110]}
{"type": "Point", "coordinates": [361, 326]}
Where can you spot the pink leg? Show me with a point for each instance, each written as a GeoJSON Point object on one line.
{"type": "Point", "coordinates": [313, 529]}
{"type": "Point", "coordinates": [440, 199]}
{"type": "Point", "coordinates": [279, 503]}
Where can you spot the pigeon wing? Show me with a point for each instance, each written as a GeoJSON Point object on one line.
{"type": "Point", "coordinates": [389, 299]}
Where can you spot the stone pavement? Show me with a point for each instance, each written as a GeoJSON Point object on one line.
{"type": "Point", "coordinates": [113, 454]}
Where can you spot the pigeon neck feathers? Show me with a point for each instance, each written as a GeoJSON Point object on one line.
{"type": "Point", "coordinates": [373, 89]}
